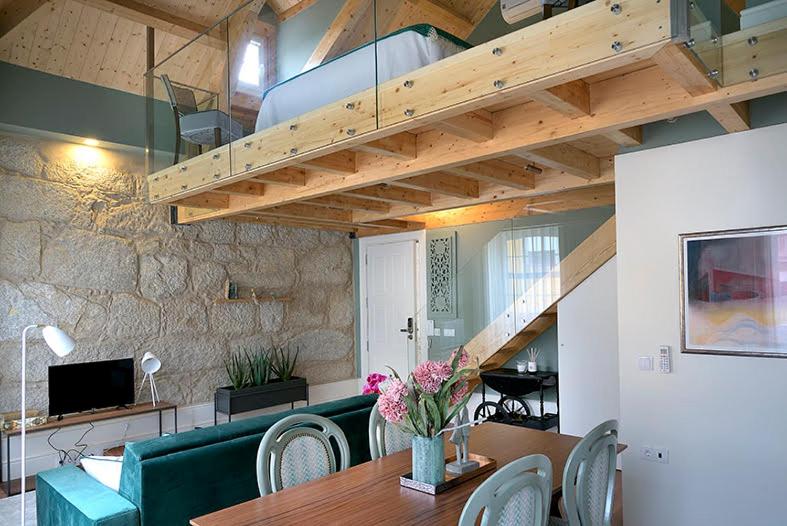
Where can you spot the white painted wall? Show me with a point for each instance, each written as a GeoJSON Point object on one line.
{"type": "Point", "coordinates": [111, 433]}
{"type": "Point", "coordinates": [587, 333]}
{"type": "Point", "coordinates": [723, 418]}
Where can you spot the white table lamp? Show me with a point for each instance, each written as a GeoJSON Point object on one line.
{"type": "Point", "coordinates": [61, 344]}
{"type": "Point", "coordinates": [150, 365]}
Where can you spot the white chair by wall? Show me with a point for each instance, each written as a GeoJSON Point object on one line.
{"type": "Point", "coordinates": [589, 479]}
{"type": "Point", "coordinates": [518, 494]}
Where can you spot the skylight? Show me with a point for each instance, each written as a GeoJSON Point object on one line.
{"type": "Point", "coordinates": [251, 69]}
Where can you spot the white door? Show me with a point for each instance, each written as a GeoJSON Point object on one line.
{"type": "Point", "coordinates": [391, 305]}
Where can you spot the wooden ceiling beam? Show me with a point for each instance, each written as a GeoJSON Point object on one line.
{"type": "Point", "coordinates": [212, 200]}
{"type": "Point", "coordinates": [571, 98]}
{"type": "Point", "coordinates": [301, 211]}
{"type": "Point", "coordinates": [732, 117]}
{"type": "Point", "coordinates": [289, 176]}
{"type": "Point", "coordinates": [497, 172]}
{"type": "Point", "coordinates": [341, 163]}
{"type": "Point", "coordinates": [681, 64]}
{"type": "Point", "coordinates": [442, 183]}
{"type": "Point", "coordinates": [293, 223]}
{"type": "Point", "coordinates": [395, 224]}
{"type": "Point", "coordinates": [476, 126]}
{"type": "Point", "coordinates": [400, 146]}
{"type": "Point", "coordinates": [626, 137]}
{"type": "Point", "coordinates": [390, 194]}
{"type": "Point", "coordinates": [346, 202]}
{"type": "Point", "coordinates": [450, 20]}
{"type": "Point", "coordinates": [148, 15]}
{"type": "Point", "coordinates": [17, 11]}
{"type": "Point", "coordinates": [296, 9]}
{"type": "Point", "coordinates": [567, 158]}
{"type": "Point", "coordinates": [242, 188]}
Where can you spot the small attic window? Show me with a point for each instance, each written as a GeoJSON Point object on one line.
{"type": "Point", "coordinates": [251, 68]}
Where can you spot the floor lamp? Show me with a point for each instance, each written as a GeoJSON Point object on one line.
{"type": "Point", "coordinates": [61, 344]}
{"type": "Point", "coordinates": [150, 366]}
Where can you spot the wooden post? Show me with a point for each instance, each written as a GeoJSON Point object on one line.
{"type": "Point", "coordinates": [150, 143]}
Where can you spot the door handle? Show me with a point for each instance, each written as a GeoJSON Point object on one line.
{"type": "Point", "coordinates": [410, 330]}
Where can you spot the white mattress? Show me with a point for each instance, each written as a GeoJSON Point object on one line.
{"type": "Point", "coordinates": [354, 72]}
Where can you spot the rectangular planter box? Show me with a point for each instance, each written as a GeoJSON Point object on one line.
{"type": "Point", "coordinates": [231, 401]}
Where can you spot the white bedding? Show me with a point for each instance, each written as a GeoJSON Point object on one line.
{"type": "Point", "coordinates": [352, 73]}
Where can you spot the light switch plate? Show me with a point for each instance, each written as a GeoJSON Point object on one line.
{"type": "Point", "coordinates": [437, 331]}
{"type": "Point", "coordinates": [449, 332]}
{"type": "Point", "coordinates": [645, 363]}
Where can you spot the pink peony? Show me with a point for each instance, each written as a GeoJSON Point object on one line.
{"type": "Point", "coordinates": [431, 374]}
{"type": "Point", "coordinates": [373, 382]}
{"type": "Point", "coordinates": [391, 402]}
{"type": "Point", "coordinates": [463, 359]}
{"type": "Point", "coordinates": [459, 392]}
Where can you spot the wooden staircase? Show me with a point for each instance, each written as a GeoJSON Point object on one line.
{"type": "Point", "coordinates": [495, 345]}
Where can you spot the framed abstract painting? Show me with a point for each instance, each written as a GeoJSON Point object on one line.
{"type": "Point", "coordinates": [734, 292]}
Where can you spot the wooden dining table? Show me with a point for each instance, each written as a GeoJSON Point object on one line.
{"type": "Point", "coordinates": [370, 493]}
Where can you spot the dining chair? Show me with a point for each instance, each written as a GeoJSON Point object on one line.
{"type": "Point", "coordinates": [297, 449]}
{"type": "Point", "coordinates": [385, 438]}
{"type": "Point", "coordinates": [519, 494]}
{"type": "Point", "coordinates": [209, 127]}
{"type": "Point", "coordinates": [589, 479]}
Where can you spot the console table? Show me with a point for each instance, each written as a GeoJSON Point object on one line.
{"type": "Point", "coordinates": [81, 419]}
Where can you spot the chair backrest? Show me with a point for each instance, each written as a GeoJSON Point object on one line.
{"type": "Point", "coordinates": [385, 438]}
{"type": "Point", "coordinates": [589, 477]}
{"type": "Point", "coordinates": [181, 99]}
{"type": "Point", "coordinates": [519, 493]}
{"type": "Point", "coordinates": [298, 449]}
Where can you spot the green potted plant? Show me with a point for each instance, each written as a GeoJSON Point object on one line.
{"type": "Point", "coordinates": [258, 379]}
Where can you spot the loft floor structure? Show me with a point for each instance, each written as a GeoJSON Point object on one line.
{"type": "Point", "coordinates": [526, 123]}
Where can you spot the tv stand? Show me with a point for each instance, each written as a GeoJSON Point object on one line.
{"type": "Point", "coordinates": [84, 418]}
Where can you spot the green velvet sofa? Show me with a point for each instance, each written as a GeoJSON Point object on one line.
{"type": "Point", "coordinates": [169, 480]}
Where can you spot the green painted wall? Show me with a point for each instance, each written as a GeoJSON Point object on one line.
{"type": "Point", "coordinates": [298, 36]}
{"type": "Point", "coordinates": [32, 99]}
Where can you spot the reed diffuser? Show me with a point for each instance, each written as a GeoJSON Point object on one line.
{"type": "Point", "coordinates": [532, 355]}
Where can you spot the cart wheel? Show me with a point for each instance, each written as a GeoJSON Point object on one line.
{"type": "Point", "coordinates": [491, 411]}
{"type": "Point", "coordinates": [516, 408]}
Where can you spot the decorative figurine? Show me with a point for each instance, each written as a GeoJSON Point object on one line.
{"type": "Point", "coordinates": [461, 439]}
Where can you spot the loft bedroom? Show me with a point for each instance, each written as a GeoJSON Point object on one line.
{"type": "Point", "coordinates": [373, 117]}
{"type": "Point", "coordinates": [394, 118]}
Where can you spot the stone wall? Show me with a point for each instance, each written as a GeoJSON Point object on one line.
{"type": "Point", "coordinates": [81, 249]}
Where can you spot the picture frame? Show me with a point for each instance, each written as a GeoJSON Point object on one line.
{"type": "Point", "coordinates": [733, 292]}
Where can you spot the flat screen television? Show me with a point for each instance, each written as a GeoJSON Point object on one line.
{"type": "Point", "coordinates": [92, 385]}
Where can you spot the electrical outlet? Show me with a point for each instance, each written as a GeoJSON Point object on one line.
{"type": "Point", "coordinates": [654, 454]}
{"type": "Point", "coordinates": [449, 332]}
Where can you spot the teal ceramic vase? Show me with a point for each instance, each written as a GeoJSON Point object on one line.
{"type": "Point", "coordinates": [428, 460]}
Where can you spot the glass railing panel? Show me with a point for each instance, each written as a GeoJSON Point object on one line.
{"type": "Point", "coordinates": [757, 46]}
{"type": "Point", "coordinates": [300, 80]}
{"type": "Point", "coordinates": [186, 99]}
{"type": "Point", "coordinates": [706, 20]}
{"type": "Point", "coordinates": [453, 53]}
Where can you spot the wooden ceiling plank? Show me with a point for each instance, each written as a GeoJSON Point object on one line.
{"type": "Point", "coordinates": [572, 98]}
{"type": "Point", "coordinates": [681, 64]}
{"type": "Point", "coordinates": [567, 158]}
{"type": "Point", "coordinates": [289, 176]}
{"type": "Point", "coordinates": [45, 36]}
{"type": "Point", "coordinates": [442, 183]}
{"type": "Point", "coordinates": [626, 137]}
{"type": "Point", "coordinates": [293, 223]}
{"type": "Point", "coordinates": [342, 24]}
{"type": "Point", "coordinates": [391, 194]}
{"type": "Point", "coordinates": [347, 202]}
{"type": "Point", "coordinates": [242, 188]}
{"type": "Point", "coordinates": [498, 172]}
{"type": "Point", "coordinates": [400, 146]}
{"type": "Point", "coordinates": [299, 211]}
{"type": "Point", "coordinates": [118, 43]}
{"type": "Point", "coordinates": [148, 15]}
{"type": "Point", "coordinates": [210, 200]}
{"type": "Point", "coordinates": [476, 126]}
{"type": "Point", "coordinates": [98, 47]}
{"type": "Point", "coordinates": [16, 12]}
{"type": "Point", "coordinates": [732, 117]}
{"type": "Point", "coordinates": [65, 36]}
{"type": "Point", "coordinates": [343, 162]}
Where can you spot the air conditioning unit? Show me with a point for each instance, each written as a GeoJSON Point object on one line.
{"type": "Point", "coordinates": [516, 10]}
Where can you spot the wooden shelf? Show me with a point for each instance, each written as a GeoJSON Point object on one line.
{"type": "Point", "coordinates": [258, 299]}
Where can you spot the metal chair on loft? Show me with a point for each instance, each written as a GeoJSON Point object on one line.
{"type": "Point", "coordinates": [205, 127]}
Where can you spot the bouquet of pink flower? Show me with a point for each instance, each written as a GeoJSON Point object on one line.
{"type": "Point", "coordinates": [433, 394]}
{"type": "Point", "coordinates": [373, 381]}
